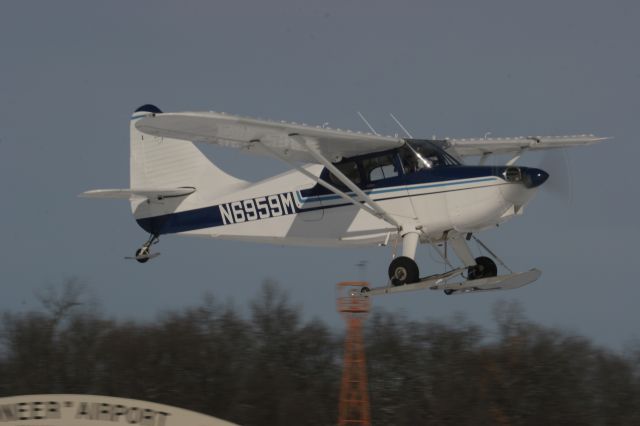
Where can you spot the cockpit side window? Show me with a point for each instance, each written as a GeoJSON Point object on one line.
{"type": "Point", "coordinates": [409, 160]}
{"type": "Point", "coordinates": [418, 155]}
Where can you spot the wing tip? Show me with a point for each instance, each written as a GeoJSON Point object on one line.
{"type": "Point", "coordinates": [87, 194]}
{"type": "Point", "coordinates": [149, 108]}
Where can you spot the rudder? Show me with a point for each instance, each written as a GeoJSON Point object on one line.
{"type": "Point", "coordinates": [173, 163]}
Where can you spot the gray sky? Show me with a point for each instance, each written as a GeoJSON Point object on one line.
{"type": "Point", "coordinates": [71, 73]}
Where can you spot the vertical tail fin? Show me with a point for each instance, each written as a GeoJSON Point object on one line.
{"type": "Point", "coordinates": [171, 163]}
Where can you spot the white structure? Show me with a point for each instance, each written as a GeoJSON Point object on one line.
{"type": "Point", "coordinates": [92, 410]}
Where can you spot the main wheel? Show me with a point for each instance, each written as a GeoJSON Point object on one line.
{"type": "Point", "coordinates": [403, 270]}
{"type": "Point", "coordinates": [143, 251]}
{"type": "Point", "coordinates": [484, 268]}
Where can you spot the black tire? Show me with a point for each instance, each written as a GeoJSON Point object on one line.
{"type": "Point", "coordinates": [484, 268]}
{"type": "Point", "coordinates": [449, 292]}
{"type": "Point", "coordinates": [403, 270]}
{"type": "Point", "coordinates": [140, 252]}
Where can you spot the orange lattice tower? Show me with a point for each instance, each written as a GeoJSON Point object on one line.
{"type": "Point", "coordinates": [354, 395]}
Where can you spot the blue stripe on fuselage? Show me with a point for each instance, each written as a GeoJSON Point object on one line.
{"type": "Point", "coordinates": [403, 188]}
{"type": "Point", "coordinates": [213, 216]}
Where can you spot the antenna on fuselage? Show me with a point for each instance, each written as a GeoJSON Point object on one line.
{"type": "Point", "coordinates": [406, 132]}
{"type": "Point", "coordinates": [367, 123]}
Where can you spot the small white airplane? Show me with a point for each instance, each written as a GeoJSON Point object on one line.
{"type": "Point", "coordinates": [353, 189]}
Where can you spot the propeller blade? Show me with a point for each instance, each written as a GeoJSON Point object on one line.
{"type": "Point", "coordinates": [556, 163]}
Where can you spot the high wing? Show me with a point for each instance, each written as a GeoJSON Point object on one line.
{"type": "Point", "coordinates": [486, 146]}
{"type": "Point", "coordinates": [242, 132]}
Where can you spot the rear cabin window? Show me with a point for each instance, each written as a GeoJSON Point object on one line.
{"type": "Point", "coordinates": [350, 170]}
{"type": "Point", "coordinates": [378, 168]}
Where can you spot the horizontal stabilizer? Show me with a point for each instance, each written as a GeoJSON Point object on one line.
{"type": "Point", "coordinates": [129, 193]}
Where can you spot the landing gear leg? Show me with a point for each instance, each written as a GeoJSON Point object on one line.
{"type": "Point", "coordinates": [143, 254]}
{"type": "Point", "coordinates": [480, 267]}
{"type": "Point", "coordinates": [462, 250]}
{"type": "Point", "coordinates": [404, 269]}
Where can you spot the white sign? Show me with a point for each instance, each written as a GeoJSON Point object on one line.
{"type": "Point", "coordinates": [92, 410]}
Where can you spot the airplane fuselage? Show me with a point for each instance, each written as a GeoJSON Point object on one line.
{"type": "Point", "coordinates": [292, 209]}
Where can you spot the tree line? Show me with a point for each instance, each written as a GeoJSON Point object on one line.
{"type": "Point", "coordinates": [270, 366]}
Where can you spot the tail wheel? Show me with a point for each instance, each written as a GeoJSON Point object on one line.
{"type": "Point", "coordinates": [484, 268]}
{"type": "Point", "coordinates": [142, 251]}
{"type": "Point", "coordinates": [403, 270]}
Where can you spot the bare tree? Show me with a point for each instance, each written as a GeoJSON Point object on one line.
{"type": "Point", "coordinates": [273, 367]}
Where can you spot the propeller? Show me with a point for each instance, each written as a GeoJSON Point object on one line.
{"type": "Point", "coordinates": [556, 163]}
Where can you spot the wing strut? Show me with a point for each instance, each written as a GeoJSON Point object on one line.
{"type": "Point", "coordinates": [317, 179]}
{"type": "Point", "coordinates": [516, 157]}
{"type": "Point", "coordinates": [368, 206]}
{"type": "Point", "coordinates": [377, 210]}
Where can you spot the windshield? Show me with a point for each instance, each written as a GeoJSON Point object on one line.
{"type": "Point", "coordinates": [417, 155]}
